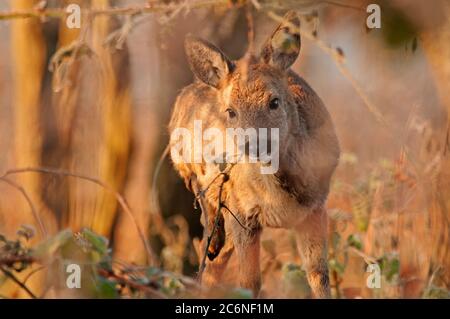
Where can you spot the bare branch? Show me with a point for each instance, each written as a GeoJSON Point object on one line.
{"type": "Point", "coordinates": [31, 273]}
{"type": "Point", "coordinates": [235, 217]}
{"type": "Point", "coordinates": [30, 203]}
{"type": "Point", "coordinates": [17, 281]}
{"type": "Point", "coordinates": [216, 223]}
{"type": "Point", "coordinates": [153, 7]}
{"type": "Point", "coordinates": [338, 59]}
{"type": "Point", "coordinates": [120, 198]}
{"type": "Point", "coordinates": [130, 283]}
{"type": "Point", "coordinates": [251, 28]}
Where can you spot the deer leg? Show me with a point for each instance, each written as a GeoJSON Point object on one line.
{"type": "Point", "coordinates": [219, 251]}
{"type": "Point", "coordinates": [212, 275]}
{"type": "Point", "coordinates": [312, 242]}
{"type": "Point", "coordinates": [247, 247]}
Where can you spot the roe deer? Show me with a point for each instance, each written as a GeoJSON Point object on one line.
{"type": "Point", "coordinates": [261, 92]}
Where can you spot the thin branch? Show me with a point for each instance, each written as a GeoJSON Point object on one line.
{"type": "Point", "coordinates": [199, 195]}
{"type": "Point", "coordinates": [216, 223]}
{"type": "Point", "coordinates": [307, 5]}
{"type": "Point", "coordinates": [368, 259]}
{"type": "Point", "coordinates": [132, 284]}
{"type": "Point", "coordinates": [235, 217]}
{"type": "Point", "coordinates": [250, 27]}
{"type": "Point", "coordinates": [119, 197]}
{"type": "Point", "coordinates": [225, 171]}
{"type": "Point", "coordinates": [199, 198]}
{"type": "Point", "coordinates": [155, 201]}
{"type": "Point", "coordinates": [31, 273]}
{"type": "Point", "coordinates": [338, 59]}
{"type": "Point", "coordinates": [9, 261]}
{"type": "Point", "coordinates": [17, 281]}
{"type": "Point", "coordinates": [112, 11]}
{"type": "Point", "coordinates": [11, 183]}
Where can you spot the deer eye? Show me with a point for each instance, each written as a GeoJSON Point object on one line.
{"type": "Point", "coordinates": [231, 113]}
{"type": "Point", "coordinates": [274, 103]}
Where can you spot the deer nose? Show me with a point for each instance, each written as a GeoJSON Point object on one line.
{"type": "Point", "coordinates": [251, 149]}
{"type": "Point", "coordinates": [261, 147]}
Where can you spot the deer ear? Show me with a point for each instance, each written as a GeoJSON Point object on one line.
{"type": "Point", "coordinates": [282, 48]}
{"type": "Point", "coordinates": [207, 62]}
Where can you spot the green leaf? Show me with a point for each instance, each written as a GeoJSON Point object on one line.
{"type": "Point", "coordinates": [294, 281]}
{"type": "Point", "coordinates": [393, 269]}
{"type": "Point", "coordinates": [99, 243]}
{"type": "Point", "coordinates": [50, 246]}
{"type": "Point", "coordinates": [106, 289]}
{"type": "Point", "coordinates": [353, 240]}
{"type": "Point", "coordinates": [239, 293]}
{"type": "Point", "coordinates": [390, 266]}
{"type": "Point", "coordinates": [153, 271]}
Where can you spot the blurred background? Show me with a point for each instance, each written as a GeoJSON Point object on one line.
{"type": "Point", "coordinates": [95, 102]}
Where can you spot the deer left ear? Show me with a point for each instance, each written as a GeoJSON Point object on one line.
{"type": "Point", "coordinates": [282, 48]}
{"type": "Point", "coordinates": [207, 62]}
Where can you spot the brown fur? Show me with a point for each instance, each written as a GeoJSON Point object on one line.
{"type": "Point", "coordinates": [295, 196]}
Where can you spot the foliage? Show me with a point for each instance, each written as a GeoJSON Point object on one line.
{"type": "Point", "coordinates": [102, 276]}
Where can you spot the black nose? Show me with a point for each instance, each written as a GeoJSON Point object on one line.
{"type": "Point", "coordinates": [262, 147]}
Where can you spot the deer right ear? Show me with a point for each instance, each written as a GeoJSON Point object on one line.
{"type": "Point", "coordinates": [207, 62]}
{"type": "Point", "coordinates": [283, 47]}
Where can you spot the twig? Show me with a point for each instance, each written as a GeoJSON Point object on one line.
{"type": "Point", "coordinates": [9, 261]}
{"type": "Point", "coordinates": [225, 171]}
{"type": "Point", "coordinates": [119, 35]}
{"type": "Point", "coordinates": [130, 283]}
{"type": "Point", "coordinates": [155, 201]}
{"type": "Point", "coordinates": [160, 225]}
{"type": "Point", "coordinates": [368, 259]}
{"type": "Point", "coordinates": [251, 28]}
{"type": "Point", "coordinates": [31, 273]}
{"type": "Point", "coordinates": [305, 5]}
{"type": "Point", "coordinates": [216, 223]}
{"type": "Point", "coordinates": [42, 228]}
{"type": "Point", "coordinates": [431, 280]}
{"type": "Point", "coordinates": [235, 217]}
{"type": "Point", "coordinates": [17, 281]}
{"type": "Point", "coordinates": [116, 11]}
{"type": "Point", "coordinates": [120, 198]}
{"type": "Point", "coordinates": [199, 198]}
{"type": "Point", "coordinates": [338, 59]}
